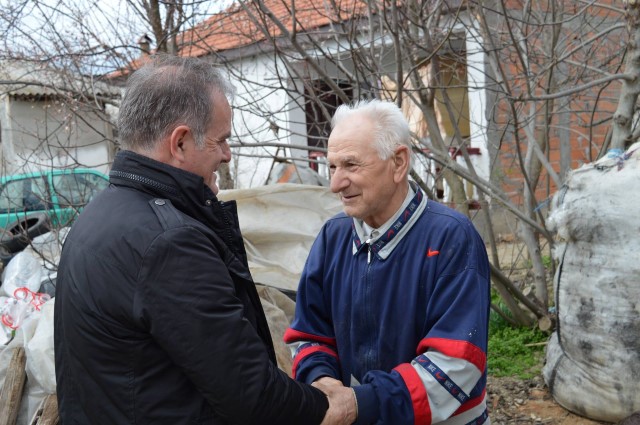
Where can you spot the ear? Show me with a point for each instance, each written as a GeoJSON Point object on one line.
{"type": "Point", "coordinates": [179, 143]}
{"type": "Point", "coordinates": [401, 161]}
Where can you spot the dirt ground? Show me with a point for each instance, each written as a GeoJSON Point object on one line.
{"type": "Point", "coordinates": [515, 401]}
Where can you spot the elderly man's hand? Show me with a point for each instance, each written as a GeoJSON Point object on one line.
{"type": "Point", "coordinates": [342, 402]}
{"type": "Point", "coordinates": [328, 381]}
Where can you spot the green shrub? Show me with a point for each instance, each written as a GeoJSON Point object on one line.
{"type": "Point", "coordinates": [514, 351]}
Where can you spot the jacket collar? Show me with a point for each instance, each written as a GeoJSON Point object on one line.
{"type": "Point", "coordinates": [186, 191]}
{"type": "Point", "coordinates": [385, 244]}
{"type": "Point", "coordinates": [159, 179]}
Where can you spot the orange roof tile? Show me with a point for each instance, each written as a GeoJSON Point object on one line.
{"type": "Point", "coordinates": [118, 74]}
{"type": "Point", "coordinates": [243, 25]}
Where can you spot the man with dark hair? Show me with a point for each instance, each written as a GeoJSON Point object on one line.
{"type": "Point", "coordinates": [157, 319]}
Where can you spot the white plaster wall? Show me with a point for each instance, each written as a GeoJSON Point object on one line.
{"type": "Point", "coordinates": [257, 107]}
{"type": "Point", "coordinates": [476, 79]}
{"type": "Point", "coordinates": [258, 111]}
{"type": "Point", "coordinates": [6, 147]}
{"type": "Point", "coordinates": [37, 135]}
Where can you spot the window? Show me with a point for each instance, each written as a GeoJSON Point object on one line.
{"type": "Point", "coordinates": [322, 103]}
{"type": "Point", "coordinates": [76, 190]}
{"type": "Point", "coordinates": [28, 194]}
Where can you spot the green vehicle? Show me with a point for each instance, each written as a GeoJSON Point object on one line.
{"type": "Point", "coordinates": [33, 203]}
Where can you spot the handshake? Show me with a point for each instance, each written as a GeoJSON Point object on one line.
{"type": "Point", "coordinates": [343, 404]}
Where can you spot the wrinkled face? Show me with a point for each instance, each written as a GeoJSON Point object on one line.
{"type": "Point", "coordinates": [206, 161]}
{"type": "Point", "coordinates": [367, 185]}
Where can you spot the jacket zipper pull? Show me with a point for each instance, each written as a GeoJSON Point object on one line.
{"type": "Point", "coordinates": [368, 242]}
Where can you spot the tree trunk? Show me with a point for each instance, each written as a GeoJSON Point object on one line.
{"type": "Point", "coordinates": [225, 181]}
{"type": "Point", "coordinates": [623, 117]}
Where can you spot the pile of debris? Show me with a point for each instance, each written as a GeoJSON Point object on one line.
{"type": "Point", "coordinates": [26, 333]}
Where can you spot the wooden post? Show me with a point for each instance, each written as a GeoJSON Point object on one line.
{"type": "Point", "coordinates": [13, 386]}
{"type": "Point", "coordinates": [47, 412]}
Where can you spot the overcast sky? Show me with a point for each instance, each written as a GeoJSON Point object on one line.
{"type": "Point", "coordinates": [41, 28]}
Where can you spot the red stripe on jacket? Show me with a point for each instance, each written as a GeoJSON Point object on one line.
{"type": "Point", "coordinates": [421, 407]}
{"type": "Point", "coordinates": [308, 351]}
{"type": "Point", "coordinates": [458, 349]}
{"type": "Point", "coordinates": [292, 335]}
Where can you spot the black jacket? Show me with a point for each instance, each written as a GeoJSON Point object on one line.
{"type": "Point", "coordinates": [157, 319]}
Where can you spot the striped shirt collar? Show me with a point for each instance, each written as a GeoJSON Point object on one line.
{"type": "Point", "coordinates": [392, 232]}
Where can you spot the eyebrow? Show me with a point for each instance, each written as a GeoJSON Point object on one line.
{"type": "Point", "coordinates": [348, 158]}
{"type": "Point", "coordinates": [224, 137]}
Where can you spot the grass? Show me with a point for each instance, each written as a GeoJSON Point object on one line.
{"type": "Point", "coordinates": [513, 351]}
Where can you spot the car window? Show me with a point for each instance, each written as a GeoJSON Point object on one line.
{"type": "Point", "coordinates": [28, 194]}
{"type": "Point", "coordinates": [76, 190]}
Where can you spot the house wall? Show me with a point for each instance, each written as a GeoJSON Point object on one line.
{"type": "Point", "coordinates": [260, 116]}
{"type": "Point", "coordinates": [263, 115]}
{"type": "Point", "coordinates": [476, 81]}
{"type": "Point", "coordinates": [578, 124]}
{"type": "Point", "coordinates": [50, 134]}
{"type": "Point", "coordinates": [267, 115]}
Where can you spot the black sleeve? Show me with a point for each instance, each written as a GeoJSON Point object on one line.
{"type": "Point", "coordinates": [186, 295]}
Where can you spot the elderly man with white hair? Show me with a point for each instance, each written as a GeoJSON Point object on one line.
{"type": "Point", "coordinates": [394, 298]}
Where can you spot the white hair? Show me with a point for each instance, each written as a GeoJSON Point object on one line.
{"type": "Point", "coordinates": [391, 128]}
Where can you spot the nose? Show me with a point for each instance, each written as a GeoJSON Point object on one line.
{"type": "Point", "coordinates": [339, 181]}
{"type": "Point", "coordinates": [226, 152]}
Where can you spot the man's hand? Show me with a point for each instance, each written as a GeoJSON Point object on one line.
{"type": "Point", "coordinates": [342, 402]}
{"type": "Point", "coordinates": [326, 381]}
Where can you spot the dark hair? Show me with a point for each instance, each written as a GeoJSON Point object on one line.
{"type": "Point", "coordinates": [168, 91]}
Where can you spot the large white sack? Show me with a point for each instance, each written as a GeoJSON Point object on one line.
{"type": "Point", "coordinates": [279, 224]}
{"type": "Point", "coordinates": [47, 247]}
{"type": "Point", "coordinates": [23, 271]}
{"type": "Point", "coordinates": [593, 359]}
{"type": "Point", "coordinates": [40, 365]}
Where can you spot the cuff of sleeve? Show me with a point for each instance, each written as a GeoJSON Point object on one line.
{"type": "Point", "coordinates": [319, 372]}
{"type": "Point", "coordinates": [368, 406]}
{"type": "Point", "coordinates": [321, 405]}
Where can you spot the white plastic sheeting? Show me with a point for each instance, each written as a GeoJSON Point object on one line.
{"type": "Point", "coordinates": [593, 359]}
{"type": "Point", "coordinates": [279, 223]}
{"type": "Point", "coordinates": [36, 336]}
{"type": "Point", "coordinates": [23, 271]}
{"type": "Point", "coordinates": [279, 310]}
